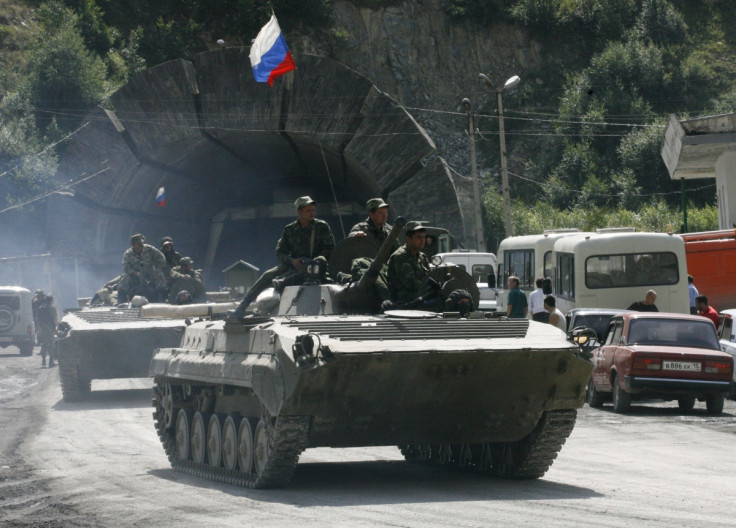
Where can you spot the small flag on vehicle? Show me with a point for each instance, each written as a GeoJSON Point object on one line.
{"type": "Point", "coordinates": [269, 55]}
{"type": "Point", "coordinates": [161, 197]}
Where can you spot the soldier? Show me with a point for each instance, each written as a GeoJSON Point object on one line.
{"type": "Point", "coordinates": [375, 226]}
{"type": "Point", "coordinates": [408, 266]}
{"type": "Point", "coordinates": [47, 329]}
{"type": "Point", "coordinates": [144, 271]}
{"type": "Point", "coordinates": [306, 238]}
{"type": "Point", "coordinates": [38, 298]}
{"type": "Point", "coordinates": [185, 278]}
{"type": "Point", "coordinates": [173, 258]}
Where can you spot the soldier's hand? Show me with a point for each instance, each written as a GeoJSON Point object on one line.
{"type": "Point", "coordinates": [296, 263]}
{"type": "Point", "coordinates": [357, 234]}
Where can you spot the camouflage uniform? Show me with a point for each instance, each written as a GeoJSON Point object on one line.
{"type": "Point", "coordinates": [151, 265]}
{"type": "Point", "coordinates": [47, 330]}
{"type": "Point", "coordinates": [372, 231]}
{"type": "Point", "coordinates": [406, 274]}
{"type": "Point", "coordinates": [313, 241]}
{"type": "Point", "coordinates": [191, 282]}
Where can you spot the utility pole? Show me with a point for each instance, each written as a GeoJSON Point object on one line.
{"type": "Point", "coordinates": [508, 85]}
{"type": "Point", "coordinates": [480, 242]}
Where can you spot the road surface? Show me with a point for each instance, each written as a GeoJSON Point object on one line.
{"type": "Point", "coordinates": [100, 463]}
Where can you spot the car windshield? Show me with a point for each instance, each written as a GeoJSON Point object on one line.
{"type": "Point", "coordinates": [598, 322]}
{"type": "Point", "coordinates": [672, 332]}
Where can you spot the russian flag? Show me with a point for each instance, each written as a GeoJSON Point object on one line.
{"type": "Point", "coordinates": [269, 54]}
{"type": "Point", "coordinates": [161, 197]}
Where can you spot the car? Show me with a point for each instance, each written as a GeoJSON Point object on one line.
{"type": "Point", "coordinates": [666, 356]}
{"type": "Point", "coordinates": [16, 319]}
{"type": "Point", "coordinates": [595, 318]}
{"type": "Point", "coordinates": [728, 339]}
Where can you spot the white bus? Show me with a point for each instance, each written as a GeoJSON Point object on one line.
{"type": "Point", "coordinates": [529, 257]}
{"type": "Point", "coordinates": [615, 269]}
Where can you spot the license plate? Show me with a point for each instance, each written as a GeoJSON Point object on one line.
{"type": "Point", "coordinates": [5, 339]}
{"type": "Point", "coordinates": [686, 366]}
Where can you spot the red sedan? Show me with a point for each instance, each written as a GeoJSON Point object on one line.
{"type": "Point", "coordinates": [660, 355]}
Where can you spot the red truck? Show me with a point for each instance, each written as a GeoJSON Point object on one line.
{"type": "Point", "coordinates": [711, 260]}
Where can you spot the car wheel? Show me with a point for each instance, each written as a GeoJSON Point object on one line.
{"type": "Point", "coordinates": [595, 398]}
{"type": "Point", "coordinates": [714, 403]}
{"type": "Point", "coordinates": [686, 404]}
{"type": "Point", "coordinates": [621, 398]}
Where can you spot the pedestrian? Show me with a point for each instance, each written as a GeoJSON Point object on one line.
{"type": "Point", "coordinates": [536, 303]}
{"type": "Point", "coordinates": [47, 318]}
{"type": "Point", "coordinates": [516, 304]}
{"type": "Point", "coordinates": [647, 305]}
{"type": "Point", "coordinates": [706, 310]}
{"type": "Point", "coordinates": [556, 317]}
{"type": "Point", "coordinates": [693, 291]}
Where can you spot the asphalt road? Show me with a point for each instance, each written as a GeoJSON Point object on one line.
{"type": "Point", "coordinates": [100, 463]}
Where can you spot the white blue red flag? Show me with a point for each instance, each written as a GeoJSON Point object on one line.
{"type": "Point", "coordinates": [269, 54]}
{"type": "Point", "coordinates": [161, 197]}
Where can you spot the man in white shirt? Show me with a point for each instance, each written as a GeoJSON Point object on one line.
{"type": "Point", "coordinates": [536, 303]}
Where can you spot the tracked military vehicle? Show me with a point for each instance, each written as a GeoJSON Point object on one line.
{"type": "Point", "coordinates": [238, 400]}
{"type": "Point", "coordinates": [117, 342]}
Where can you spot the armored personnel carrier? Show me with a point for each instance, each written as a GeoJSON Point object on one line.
{"type": "Point", "coordinates": [238, 400]}
{"type": "Point", "coordinates": [117, 342]}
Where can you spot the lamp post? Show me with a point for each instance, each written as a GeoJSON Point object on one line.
{"type": "Point", "coordinates": [480, 242]}
{"type": "Point", "coordinates": [512, 82]}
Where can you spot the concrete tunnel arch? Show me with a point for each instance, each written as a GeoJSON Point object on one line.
{"type": "Point", "coordinates": [233, 155]}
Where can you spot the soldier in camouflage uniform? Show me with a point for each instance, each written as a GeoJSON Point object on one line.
{"type": "Point", "coordinates": [185, 278]}
{"type": "Point", "coordinates": [173, 257]}
{"type": "Point", "coordinates": [47, 318]}
{"type": "Point", "coordinates": [375, 226]}
{"type": "Point", "coordinates": [408, 266]}
{"type": "Point", "coordinates": [144, 272]}
{"type": "Point", "coordinates": [304, 239]}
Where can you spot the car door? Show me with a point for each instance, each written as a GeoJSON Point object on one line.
{"type": "Point", "coordinates": [603, 356]}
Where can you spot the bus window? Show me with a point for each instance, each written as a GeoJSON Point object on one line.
{"type": "Point", "coordinates": [631, 269]}
{"type": "Point", "coordinates": [521, 264]}
{"type": "Point", "coordinates": [565, 283]}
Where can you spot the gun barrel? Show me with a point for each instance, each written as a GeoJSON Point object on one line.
{"type": "Point", "coordinates": [370, 276]}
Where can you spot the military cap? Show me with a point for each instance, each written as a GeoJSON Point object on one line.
{"type": "Point", "coordinates": [375, 203]}
{"type": "Point", "coordinates": [303, 201]}
{"type": "Point", "coordinates": [185, 260]}
{"type": "Point", "coordinates": [414, 226]}
{"type": "Point", "coordinates": [137, 238]}
{"type": "Point", "coordinates": [167, 240]}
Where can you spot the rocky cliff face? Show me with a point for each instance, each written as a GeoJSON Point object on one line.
{"type": "Point", "coordinates": [417, 54]}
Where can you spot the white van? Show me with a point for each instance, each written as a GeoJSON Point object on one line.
{"type": "Point", "coordinates": [482, 266]}
{"type": "Point", "coordinates": [16, 319]}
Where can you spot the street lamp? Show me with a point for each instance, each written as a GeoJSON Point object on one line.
{"type": "Point", "coordinates": [512, 82]}
{"type": "Point", "coordinates": [480, 242]}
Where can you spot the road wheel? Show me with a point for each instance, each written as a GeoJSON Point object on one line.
{"type": "Point", "coordinates": [686, 404]}
{"type": "Point", "coordinates": [214, 439]}
{"type": "Point", "coordinates": [262, 447]}
{"type": "Point", "coordinates": [245, 446]}
{"type": "Point", "coordinates": [621, 398]}
{"type": "Point", "coordinates": [199, 436]}
{"type": "Point", "coordinates": [230, 442]}
{"type": "Point", "coordinates": [595, 398]}
{"type": "Point", "coordinates": [183, 426]}
{"type": "Point", "coordinates": [714, 403]}
{"type": "Point", "coordinates": [26, 349]}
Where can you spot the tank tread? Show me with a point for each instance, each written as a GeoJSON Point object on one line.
{"type": "Point", "coordinates": [73, 387]}
{"type": "Point", "coordinates": [528, 458]}
{"type": "Point", "coordinates": [289, 439]}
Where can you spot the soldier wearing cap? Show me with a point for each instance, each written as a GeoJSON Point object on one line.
{"type": "Point", "coordinates": [173, 257]}
{"type": "Point", "coordinates": [306, 238]}
{"type": "Point", "coordinates": [408, 266]}
{"type": "Point", "coordinates": [144, 271]}
{"type": "Point", "coordinates": [185, 278]}
{"type": "Point", "coordinates": [375, 226]}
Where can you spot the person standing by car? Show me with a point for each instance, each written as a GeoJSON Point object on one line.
{"type": "Point", "coordinates": [516, 303]}
{"type": "Point", "coordinates": [556, 317]}
{"type": "Point", "coordinates": [536, 303]}
{"type": "Point", "coordinates": [706, 310]}
{"type": "Point", "coordinates": [693, 291]}
{"type": "Point", "coordinates": [47, 329]}
{"type": "Point", "coordinates": [647, 305]}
